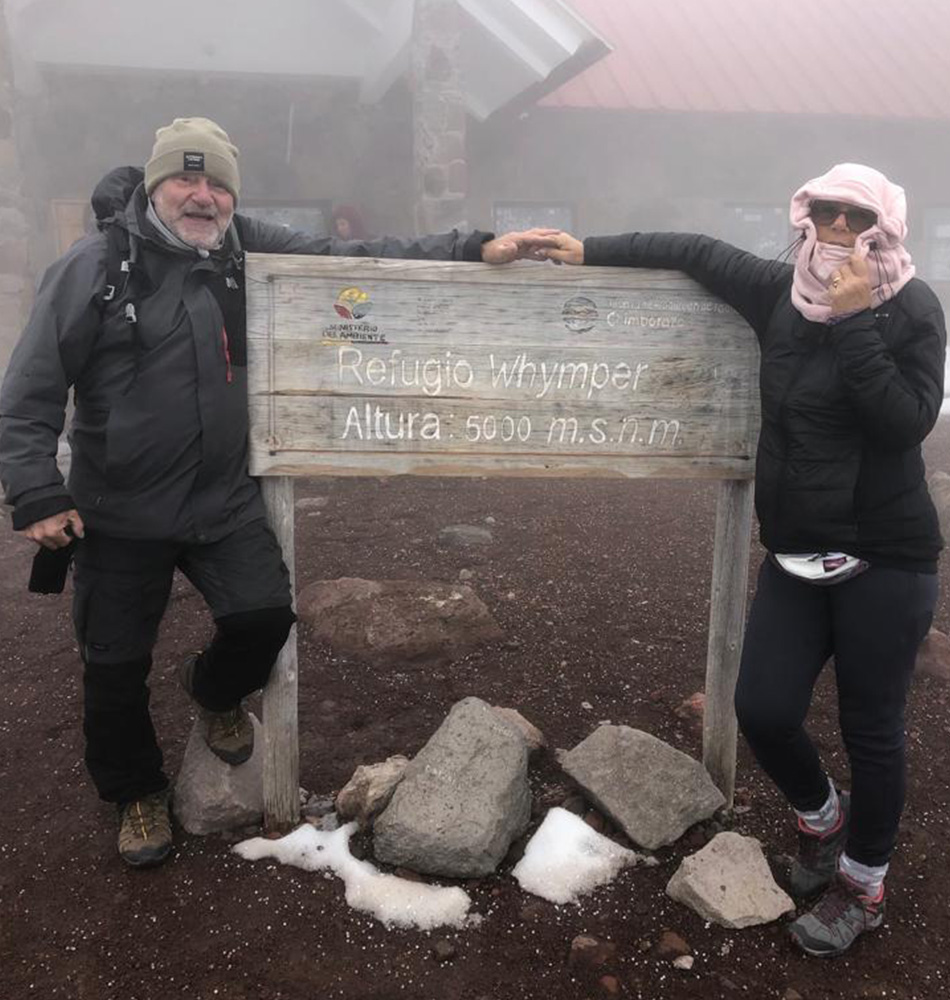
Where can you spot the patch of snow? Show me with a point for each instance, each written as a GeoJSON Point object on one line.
{"type": "Point", "coordinates": [566, 858]}
{"type": "Point", "coordinates": [394, 901]}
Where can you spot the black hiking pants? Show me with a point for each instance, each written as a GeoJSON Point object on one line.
{"type": "Point", "coordinates": [872, 625]}
{"type": "Point", "coordinates": [121, 591]}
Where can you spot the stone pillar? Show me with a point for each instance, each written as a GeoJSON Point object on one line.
{"type": "Point", "coordinates": [15, 282]}
{"type": "Point", "coordinates": [439, 117]}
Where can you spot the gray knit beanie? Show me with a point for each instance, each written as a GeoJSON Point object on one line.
{"type": "Point", "coordinates": [193, 144]}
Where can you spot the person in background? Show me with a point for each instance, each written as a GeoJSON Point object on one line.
{"type": "Point", "coordinates": [346, 223]}
{"type": "Point", "coordinates": [145, 321]}
{"type": "Point", "coordinates": [851, 381]}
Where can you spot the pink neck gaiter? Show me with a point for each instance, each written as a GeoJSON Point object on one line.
{"type": "Point", "coordinates": [881, 246]}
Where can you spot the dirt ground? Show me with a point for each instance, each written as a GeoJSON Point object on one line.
{"type": "Point", "coordinates": [602, 590]}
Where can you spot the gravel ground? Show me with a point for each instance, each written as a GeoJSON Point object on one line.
{"type": "Point", "coordinates": [602, 591]}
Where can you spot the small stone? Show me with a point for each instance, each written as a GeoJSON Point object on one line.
{"type": "Point", "coordinates": [595, 821]}
{"type": "Point", "coordinates": [692, 708]}
{"type": "Point", "coordinates": [466, 574]}
{"type": "Point", "coordinates": [533, 912]}
{"type": "Point", "coordinates": [684, 962]}
{"type": "Point", "coordinates": [587, 706]}
{"type": "Point", "coordinates": [489, 520]}
{"type": "Point", "coordinates": [589, 952]}
{"type": "Point", "coordinates": [671, 945]}
{"type": "Point", "coordinates": [610, 985]}
{"type": "Point", "coordinates": [318, 805]}
{"type": "Point", "coordinates": [644, 945]}
{"type": "Point", "coordinates": [576, 804]}
{"type": "Point", "coordinates": [465, 535]}
{"type": "Point", "coordinates": [791, 994]}
{"type": "Point", "coordinates": [531, 734]}
{"type": "Point", "coordinates": [444, 951]}
{"type": "Point", "coordinates": [327, 823]}
{"type": "Point", "coordinates": [408, 874]}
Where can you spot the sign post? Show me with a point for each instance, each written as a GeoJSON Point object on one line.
{"type": "Point", "coordinates": [394, 367]}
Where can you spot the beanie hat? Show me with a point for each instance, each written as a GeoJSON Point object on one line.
{"type": "Point", "coordinates": [193, 145]}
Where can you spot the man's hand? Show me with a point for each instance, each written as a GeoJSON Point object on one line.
{"type": "Point", "coordinates": [56, 532]}
{"type": "Point", "coordinates": [567, 249]}
{"type": "Point", "coordinates": [850, 288]}
{"type": "Point", "coordinates": [526, 245]}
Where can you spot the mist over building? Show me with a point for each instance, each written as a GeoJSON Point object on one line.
{"type": "Point", "coordinates": [592, 115]}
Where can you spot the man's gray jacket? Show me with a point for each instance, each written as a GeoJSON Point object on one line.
{"type": "Point", "coordinates": [159, 433]}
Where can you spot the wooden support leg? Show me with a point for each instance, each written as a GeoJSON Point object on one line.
{"type": "Point", "coordinates": [726, 625]}
{"type": "Point", "coordinates": [281, 753]}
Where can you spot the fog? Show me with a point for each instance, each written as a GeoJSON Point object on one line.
{"type": "Point", "coordinates": [593, 115]}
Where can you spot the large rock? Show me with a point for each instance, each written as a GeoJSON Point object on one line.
{"type": "Point", "coordinates": [211, 796]}
{"type": "Point", "coordinates": [933, 657]}
{"type": "Point", "coordinates": [729, 883]}
{"type": "Point", "coordinates": [463, 799]}
{"type": "Point", "coordinates": [652, 791]}
{"type": "Point", "coordinates": [370, 789]}
{"type": "Point", "coordinates": [397, 621]}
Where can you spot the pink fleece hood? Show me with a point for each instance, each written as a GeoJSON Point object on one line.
{"type": "Point", "coordinates": [882, 246]}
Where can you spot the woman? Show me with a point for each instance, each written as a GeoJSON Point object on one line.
{"type": "Point", "coordinates": [346, 223]}
{"type": "Point", "coordinates": [852, 363]}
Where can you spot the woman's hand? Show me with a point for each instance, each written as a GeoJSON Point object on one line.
{"type": "Point", "coordinates": [850, 287]}
{"type": "Point", "coordinates": [526, 245]}
{"type": "Point", "coordinates": [567, 250]}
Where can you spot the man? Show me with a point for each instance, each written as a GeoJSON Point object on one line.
{"type": "Point", "coordinates": [146, 322]}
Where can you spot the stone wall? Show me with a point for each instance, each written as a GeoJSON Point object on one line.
{"type": "Point", "coordinates": [439, 118]}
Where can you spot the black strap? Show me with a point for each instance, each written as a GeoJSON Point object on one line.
{"type": "Point", "coordinates": [118, 264]}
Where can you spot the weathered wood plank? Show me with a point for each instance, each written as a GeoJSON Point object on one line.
{"type": "Point", "coordinates": [281, 754]}
{"type": "Point", "coordinates": [627, 373]}
{"type": "Point", "coordinates": [726, 622]}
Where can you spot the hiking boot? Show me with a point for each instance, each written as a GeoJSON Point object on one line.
{"type": "Point", "coordinates": [817, 860]}
{"type": "Point", "coordinates": [145, 831]}
{"type": "Point", "coordinates": [228, 734]}
{"type": "Point", "coordinates": [833, 924]}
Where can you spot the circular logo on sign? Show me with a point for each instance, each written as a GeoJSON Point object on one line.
{"type": "Point", "coordinates": [579, 313]}
{"type": "Point", "coordinates": [352, 303]}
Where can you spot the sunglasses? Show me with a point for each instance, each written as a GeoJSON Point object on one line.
{"type": "Point", "coordinates": [858, 219]}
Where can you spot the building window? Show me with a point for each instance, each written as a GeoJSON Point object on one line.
{"type": "Point", "coordinates": [762, 229]}
{"type": "Point", "coordinates": [310, 217]}
{"type": "Point", "coordinates": [937, 228]}
{"type": "Point", "coordinates": [512, 216]}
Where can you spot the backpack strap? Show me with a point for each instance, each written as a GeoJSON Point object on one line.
{"type": "Point", "coordinates": [121, 254]}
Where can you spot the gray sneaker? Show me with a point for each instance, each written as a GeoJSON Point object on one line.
{"type": "Point", "coordinates": [834, 923]}
{"type": "Point", "coordinates": [145, 831]}
{"type": "Point", "coordinates": [228, 734]}
{"type": "Point", "coordinates": [817, 860]}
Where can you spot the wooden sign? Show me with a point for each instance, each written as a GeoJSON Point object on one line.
{"type": "Point", "coordinates": [383, 367]}
{"type": "Point", "coordinates": [386, 367]}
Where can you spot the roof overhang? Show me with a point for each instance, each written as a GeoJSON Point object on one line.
{"type": "Point", "coordinates": [511, 50]}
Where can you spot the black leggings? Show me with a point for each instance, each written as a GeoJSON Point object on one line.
{"type": "Point", "coordinates": [872, 625]}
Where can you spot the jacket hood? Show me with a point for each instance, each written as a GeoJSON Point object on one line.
{"type": "Point", "coordinates": [113, 193]}
{"type": "Point", "coordinates": [865, 187]}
